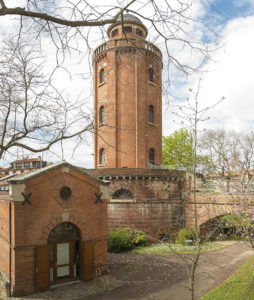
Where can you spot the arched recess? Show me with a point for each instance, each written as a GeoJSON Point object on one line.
{"type": "Point", "coordinates": [101, 76]}
{"type": "Point", "coordinates": [213, 227]}
{"type": "Point", "coordinates": [122, 194]}
{"type": "Point", "coordinates": [64, 247]}
{"type": "Point", "coordinates": [151, 157]}
{"type": "Point", "coordinates": [150, 75]}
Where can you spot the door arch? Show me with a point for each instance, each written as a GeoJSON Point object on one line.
{"type": "Point", "coordinates": [64, 261]}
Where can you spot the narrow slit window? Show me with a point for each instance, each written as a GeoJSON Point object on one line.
{"type": "Point", "coordinates": [151, 155]}
{"type": "Point", "coordinates": [102, 76]}
{"type": "Point", "coordinates": [151, 114]}
{"type": "Point", "coordinates": [102, 115]}
{"type": "Point", "coordinates": [102, 157]}
{"type": "Point", "coordinates": [150, 75]}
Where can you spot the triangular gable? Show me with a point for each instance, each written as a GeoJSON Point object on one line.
{"type": "Point", "coordinates": [57, 165]}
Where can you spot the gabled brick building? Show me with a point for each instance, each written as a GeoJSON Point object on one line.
{"type": "Point", "coordinates": [53, 228]}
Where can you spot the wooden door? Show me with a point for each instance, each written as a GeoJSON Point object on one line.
{"type": "Point", "coordinates": [87, 260]}
{"type": "Point", "coordinates": [42, 267]}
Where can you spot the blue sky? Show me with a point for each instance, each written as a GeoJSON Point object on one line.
{"type": "Point", "coordinates": [230, 71]}
{"type": "Point", "coordinates": [229, 9]}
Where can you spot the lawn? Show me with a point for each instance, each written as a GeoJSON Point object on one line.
{"type": "Point", "coordinates": [163, 248]}
{"type": "Point", "coordinates": [240, 286]}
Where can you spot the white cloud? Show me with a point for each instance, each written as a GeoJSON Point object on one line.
{"type": "Point", "coordinates": [230, 75]}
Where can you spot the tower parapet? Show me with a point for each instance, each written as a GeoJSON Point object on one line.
{"type": "Point", "coordinates": [127, 98]}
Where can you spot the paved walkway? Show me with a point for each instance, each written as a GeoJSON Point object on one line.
{"type": "Point", "coordinates": [157, 277]}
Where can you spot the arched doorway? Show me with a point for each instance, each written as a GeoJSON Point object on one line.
{"type": "Point", "coordinates": [64, 244]}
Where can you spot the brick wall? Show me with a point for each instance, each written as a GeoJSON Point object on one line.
{"type": "Point", "coordinates": [4, 235]}
{"type": "Point", "coordinates": [33, 223]}
{"type": "Point", "coordinates": [157, 205]}
{"type": "Point", "coordinates": [126, 95]}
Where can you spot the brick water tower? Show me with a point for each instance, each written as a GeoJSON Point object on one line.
{"type": "Point", "coordinates": [127, 98]}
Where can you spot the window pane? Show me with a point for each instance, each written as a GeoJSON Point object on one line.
{"type": "Point", "coordinates": [63, 271]}
{"type": "Point", "coordinates": [127, 29]}
{"type": "Point", "coordinates": [51, 255]}
{"type": "Point", "coordinates": [63, 254]}
{"type": "Point", "coordinates": [51, 276]}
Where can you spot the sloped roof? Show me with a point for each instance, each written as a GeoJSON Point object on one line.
{"type": "Point", "coordinates": [22, 177]}
{"type": "Point", "coordinates": [128, 17]}
{"type": "Point", "coordinates": [26, 160]}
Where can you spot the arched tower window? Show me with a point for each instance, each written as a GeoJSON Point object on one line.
{"type": "Point", "coordinates": [101, 76]}
{"type": "Point", "coordinates": [127, 29]}
{"type": "Point", "coordinates": [151, 155]}
{"type": "Point", "coordinates": [114, 32]}
{"type": "Point", "coordinates": [122, 194]}
{"type": "Point", "coordinates": [139, 32]}
{"type": "Point", "coordinates": [102, 157]}
{"type": "Point", "coordinates": [150, 75]}
{"type": "Point", "coordinates": [102, 115]}
{"type": "Point", "coordinates": [151, 114]}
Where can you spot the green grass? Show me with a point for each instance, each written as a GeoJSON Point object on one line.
{"type": "Point", "coordinates": [240, 286]}
{"type": "Point", "coordinates": [165, 249]}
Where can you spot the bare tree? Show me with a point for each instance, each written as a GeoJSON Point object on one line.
{"type": "Point", "coordinates": [33, 114]}
{"type": "Point", "coordinates": [171, 24]}
{"type": "Point", "coordinates": [190, 114]}
{"type": "Point", "coordinates": [233, 164]}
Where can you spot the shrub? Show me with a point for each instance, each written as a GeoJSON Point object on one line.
{"type": "Point", "coordinates": [184, 235]}
{"type": "Point", "coordinates": [124, 239]}
{"type": "Point", "coordinates": [139, 238]}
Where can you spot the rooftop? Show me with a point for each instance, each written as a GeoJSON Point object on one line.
{"type": "Point", "coordinates": [128, 17]}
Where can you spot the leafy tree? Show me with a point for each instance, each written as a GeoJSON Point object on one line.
{"type": "Point", "coordinates": [177, 148]}
{"type": "Point", "coordinates": [177, 151]}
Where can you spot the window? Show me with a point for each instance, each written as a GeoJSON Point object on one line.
{"type": "Point", "coordinates": [101, 76]}
{"type": "Point", "coordinates": [151, 114]}
{"type": "Point", "coordinates": [114, 33]}
{"type": "Point", "coordinates": [64, 232]}
{"type": "Point", "coordinates": [102, 157]}
{"type": "Point", "coordinates": [19, 166]}
{"type": "Point", "coordinates": [102, 115]}
{"type": "Point", "coordinates": [122, 194]}
{"type": "Point", "coordinates": [139, 32]}
{"type": "Point", "coordinates": [150, 75]}
{"type": "Point", "coordinates": [151, 156]}
{"type": "Point", "coordinates": [127, 29]}
{"type": "Point", "coordinates": [27, 165]}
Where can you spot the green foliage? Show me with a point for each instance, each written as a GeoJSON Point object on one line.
{"type": "Point", "coordinates": [139, 238]}
{"type": "Point", "coordinates": [185, 234]}
{"type": "Point", "coordinates": [237, 220]}
{"type": "Point", "coordinates": [177, 151]}
{"type": "Point", "coordinates": [124, 239]}
{"type": "Point", "coordinates": [238, 286]}
{"type": "Point", "coordinates": [163, 248]}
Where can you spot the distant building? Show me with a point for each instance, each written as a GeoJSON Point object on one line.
{"type": "Point", "coordinates": [28, 164]}
{"type": "Point", "coordinates": [23, 165]}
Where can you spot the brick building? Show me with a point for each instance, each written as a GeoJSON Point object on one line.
{"type": "Point", "coordinates": [128, 137]}
{"type": "Point", "coordinates": [53, 227]}
{"type": "Point", "coordinates": [54, 220]}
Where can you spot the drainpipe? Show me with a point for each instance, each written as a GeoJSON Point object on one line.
{"type": "Point", "coordinates": [8, 284]}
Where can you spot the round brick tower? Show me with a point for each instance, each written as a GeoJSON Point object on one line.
{"type": "Point", "coordinates": [127, 98]}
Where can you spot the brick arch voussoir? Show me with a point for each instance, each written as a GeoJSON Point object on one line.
{"type": "Point", "coordinates": [82, 226]}
{"type": "Point", "coordinates": [48, 228]}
